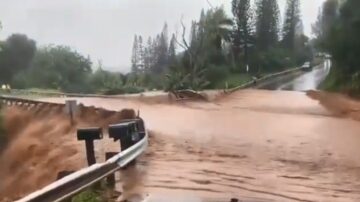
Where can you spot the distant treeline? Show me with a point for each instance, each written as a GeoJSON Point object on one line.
{"type": "Point", "coordinates": [252, 41]}
{"type": "Point", "coordinates": [216, 51]}
{"type": "Point", "coordinates": [23, 65]}
{"type": "Point", "coordinates": [338, 33]}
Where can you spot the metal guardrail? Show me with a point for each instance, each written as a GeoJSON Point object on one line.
{"type": "Point", "coordinates": [264, 78]}
{"type": "Point", "coordinates": [82, 179]}
{"type": "Point", "coordinates": [55, 94]}
{"type": "Point", "coordinates": [76, 182]}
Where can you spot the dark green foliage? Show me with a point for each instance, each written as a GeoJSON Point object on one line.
{"type": "Point", "coordinates": [88, 196]}
{"type": "Point", "coordinates": [326, 19]}
{"type": "Point", "coordinates": [292, 24]}
{"type": "Point", "coordinates": [273, 60]}
{"type": "Point", "coordinates": [219, 47]}
{"type": "Point", "coordinates": [267, 24]}
{"type": "Point", "coordinates": [243, 33]}
{"type": "Point", "coordinates": [161, 50]}
{"type": "Point", "coordinates": [172, 50]}
{"type": "Point", "coordinates": [102, 80]}
{"type": "Point", "coordinates": [57, 67]}
{"type": "Point", "coordinates": [16, 54]}
{"type": "Point", "coordinates": [343, 43]}
{"type": "Point", "coordinates": [135, 58]}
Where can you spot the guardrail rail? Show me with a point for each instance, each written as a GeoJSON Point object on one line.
{"type": "Point", "coordinates": [133, 139]}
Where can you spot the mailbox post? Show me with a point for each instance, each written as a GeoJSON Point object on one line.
{"type": "Point", "coordinates": [89, 135]}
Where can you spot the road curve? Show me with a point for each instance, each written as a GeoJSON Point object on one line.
{"type": "Point", "coordinates": [255, 145]}
{"type": "Point", "coordinates": [307, 81]}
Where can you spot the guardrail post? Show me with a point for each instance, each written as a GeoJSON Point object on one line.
{"type": "Point", "coordinates": [111, 178]}
{"type": "Point", "coordinates": [63, 174]}
{"type": "Point", "coordinates": [89, 135]}
{"type": "Point", "coordinates": [71, 109]}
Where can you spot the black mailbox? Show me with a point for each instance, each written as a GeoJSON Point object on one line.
{"type": "Point", "coordinates": [89, 134]}
{"type": "Point", "coordinates": [126, 132]}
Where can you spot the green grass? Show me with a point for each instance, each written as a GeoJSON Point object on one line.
{"type": "Point", "coordinates": [233, 80]}
{"type": "Point", "coordinates": [87, 196]}
{"type": "Point", "coordinates": [337, 81]}
{"type": "Point", "coordinates": [39, 90]}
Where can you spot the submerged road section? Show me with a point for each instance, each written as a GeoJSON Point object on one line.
{"type": "Point", "coordinates": [255, 145]}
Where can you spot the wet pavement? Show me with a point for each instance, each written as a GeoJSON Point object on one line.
{"type": "Point", "coordinates": [307, 81]}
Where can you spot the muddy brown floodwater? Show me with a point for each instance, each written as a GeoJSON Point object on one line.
{"type": "Point", "coordinates": [254, 145]}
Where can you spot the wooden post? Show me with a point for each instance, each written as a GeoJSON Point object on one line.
{"type": "Point", "coordinates": [71, 109]}
{"type": "Point", "coordinates": [111, 178]}
{"type": "Point", "coordinates": [90, 152]}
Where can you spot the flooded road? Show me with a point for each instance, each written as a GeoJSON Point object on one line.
{"type": "Point", "coordinates": [254, 145]}
{"type": "Point", "coordinates": [307, 81]}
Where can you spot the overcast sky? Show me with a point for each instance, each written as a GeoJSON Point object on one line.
{"type": "Point", "coordinates": [104, 29]}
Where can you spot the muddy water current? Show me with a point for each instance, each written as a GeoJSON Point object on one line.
{"type": "Point", "coordinates": [255, 145]}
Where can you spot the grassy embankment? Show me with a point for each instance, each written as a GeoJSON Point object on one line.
{"type": "Point", "coordinates": [337, 81]}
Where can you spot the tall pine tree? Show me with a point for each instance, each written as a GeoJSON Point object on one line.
{"type": "Point", "coordinates": [267, 24]}
{"type": "Point", "coordinates": [243, 28]}
{"type": "Point", "coordinates": [161, 51]}
{"type": "Point", "coordinates": [135, 57]}
{"type": "Point", "coordinates": [326, 19]}
{"type": "Point", "coordinates": [172, 50]}
{"type": "Point", "coordinates": [148, 55]}
{"type": "Point", "coordinates": [291, 23]}
{"type": "Point", "coordinates": [141, 54]}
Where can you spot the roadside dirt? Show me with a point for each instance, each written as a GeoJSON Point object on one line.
{"type": "Point", "coordinates": [254, 145]}
{"type": "Point", "coordinates": [341, 105]}
{"type": "Point", "coordinates": [43, 143]}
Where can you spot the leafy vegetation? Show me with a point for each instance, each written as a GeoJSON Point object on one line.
{"type": "Point", "coordinates": [87, 196]}
{"type": "Point", "coordinates": [339, 36]}
{"type": "Point", "coordinates": [216, 51]}
{"type": "Point", "coordinates": [56, 67]}
{"type": "Point", "coordinates": [16, 54]}
{"type": "Point", "coordinates": [220, 48]}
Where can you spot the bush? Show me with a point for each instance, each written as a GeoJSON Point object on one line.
{"type": "Point", "coordinates": [276, 60]}
{"type": "Point", "coordinates": [232, 81]}
{"type": "Point", "coordinates": [87, 196]}
{"type": "Point", "coordinates": [216, 73]}
{"type": "Point", "coordinates": [338, 81]}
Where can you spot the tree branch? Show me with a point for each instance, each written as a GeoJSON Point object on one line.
{"type": "Point", "coordinates": [211, 6]}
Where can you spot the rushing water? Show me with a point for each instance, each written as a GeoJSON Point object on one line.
{"type": "Point", "coordinates": [254, 145]}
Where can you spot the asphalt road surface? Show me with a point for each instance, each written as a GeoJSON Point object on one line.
{"type": "Point", "coordinates": [307, 81]}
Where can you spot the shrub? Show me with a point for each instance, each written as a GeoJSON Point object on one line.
{"type": "Point", "coordinates": [87, 196]}
{"type": "Point", "coordinates": [216, 73]}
